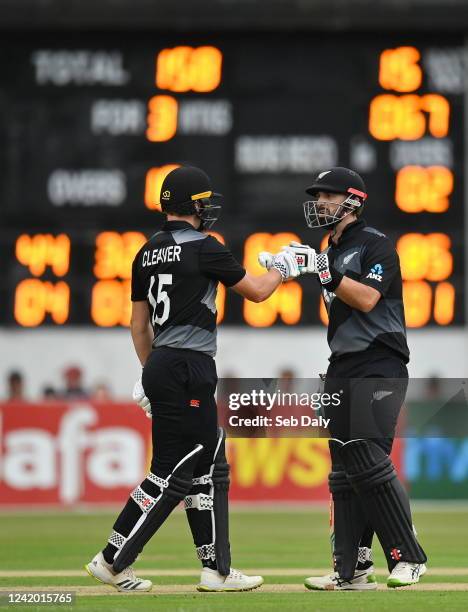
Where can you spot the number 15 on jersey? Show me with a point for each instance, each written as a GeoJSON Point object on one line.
{"type": "Point", "coordinates": [161, 297]}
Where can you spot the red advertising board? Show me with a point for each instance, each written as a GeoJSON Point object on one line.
{"type": "Point", "coordinates": [85, 452]}
{"type": "Point", "coordinates": [78, 452]}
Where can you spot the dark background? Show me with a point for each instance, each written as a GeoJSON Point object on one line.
{"type": "Point", "coordinates": [289, 68]}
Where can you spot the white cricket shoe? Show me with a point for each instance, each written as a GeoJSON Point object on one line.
{"type": "Point", "coordinates": [124, 581]}
{"type": "Point", "coordinates": [405, 573]}
{"type": "Point", "coordinates": [363, 580]}
{"type": "Point", "coordinates": [212, 580]}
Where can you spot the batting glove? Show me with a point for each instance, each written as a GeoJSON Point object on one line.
{"type": "Point", "coordinates": [305, 255]}
{"type": "Point", "coordinates": [309, 261]}
{"type": "Point", "coordinates": [286, 264]}
{"type": "Point", "coordinates": [139, 396]}
{"type": "Point", "coordinates": [265, 259]}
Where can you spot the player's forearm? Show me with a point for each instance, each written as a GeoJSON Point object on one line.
{"type": "Point", "coordinates": [258, 288]}
{"type": "Point", "coordinates": [142, 341]}
{"type": "Point", "coordinates": [357, 295]}
{"type": "Point", "coordinates": [266, 284]}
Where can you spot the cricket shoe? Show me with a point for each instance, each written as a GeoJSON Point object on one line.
{"type": "Point", "coordinates": [125, 581]}
{"type": "Point", "coordinates": [212, 580]}
{"type": "Point", "coordinates": [405, 574]}
{"type": "Point", "coordinates": [363, 580]}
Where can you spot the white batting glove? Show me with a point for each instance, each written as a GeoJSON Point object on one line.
{"type": "Point", "coordinates": [305, 255]}
{"type": "Point", "coordinates": [139, 396]}
{"type": "Point", "coordinates": [286, 264]}
{"type": "Point", "coordinates": [265, 259]}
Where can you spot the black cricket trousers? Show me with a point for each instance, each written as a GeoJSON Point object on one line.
{"type": "Point", "coordinates": [181, 385]}
{"type": "Point", "coordinates": [372, 387]}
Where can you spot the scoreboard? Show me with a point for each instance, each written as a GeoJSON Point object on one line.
{"type": "Point", "coordinates": [90, 125]}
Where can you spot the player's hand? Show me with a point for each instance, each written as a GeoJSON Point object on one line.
{"type": "Point", "coordinates": [286, 264]}
{"type": "Point", "coordinates": [265, 259]}
{"type": "Point", "coordinates": [139, 396]}
{"type": "Point", "coordinates": [306, 256]}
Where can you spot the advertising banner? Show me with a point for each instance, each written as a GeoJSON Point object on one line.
{"type": "Point", "coordinates": [83, 452]}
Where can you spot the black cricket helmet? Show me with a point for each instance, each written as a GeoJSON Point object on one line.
{"type": "Point", "coordinates": [187, 191]}
{"type": "Point", "coordinates": [336, 180]}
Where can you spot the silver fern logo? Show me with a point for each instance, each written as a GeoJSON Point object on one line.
{"type": "Point", "coordinates": [379, 395]}
{"type": "Point", "coordinates": [349, 257]}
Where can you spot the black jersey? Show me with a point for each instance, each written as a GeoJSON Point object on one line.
{"type": "Point", "coordinates": [366, 255]}
{"type": "Point", "coordinates": [177, 272]}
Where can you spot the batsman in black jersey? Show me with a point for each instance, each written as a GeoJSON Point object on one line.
{"type": "Point", "coordinates": [360, 278]}
{"type": "Point", "coordinates": [174, 282]}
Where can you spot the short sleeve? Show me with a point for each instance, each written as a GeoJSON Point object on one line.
{"type": "Point", "coordinates": [138, 290]}
{"type": "Point", "coordinates": [218, 263]}
{"type": "Point", "coordinates": [380, 265]}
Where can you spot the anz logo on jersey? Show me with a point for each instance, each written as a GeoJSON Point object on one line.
{"type": "Point", "coordinates": [376, 273]}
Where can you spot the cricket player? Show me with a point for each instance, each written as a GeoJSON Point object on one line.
{"type": "Point", "coordinates": [361, 284]}
{"type": "Point", "coordinates": [173, 325]}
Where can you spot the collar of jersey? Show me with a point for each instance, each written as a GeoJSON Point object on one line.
{"type": "Point", "coordinates": [355, 225]}
{"type": "Point", "coordinates": [175, 225]}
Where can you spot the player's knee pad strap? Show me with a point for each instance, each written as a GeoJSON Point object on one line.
{"type": "Point", "coordinates": [155, 510]}
{"type": "Point", "coordinates": [338, 484]}
{"type": "Point", "coordinates": [202, 480]}
{"type": "Point", "coordinates": [206, 552]}
{"type": "Point", "coordinates": [367, 465]}
{"type": "Point", "coordinates": [201, 501]}
{"type": "Point", "coordinates": [162, 483]}
{"type": "Point", "coordinates": [145, 501]}
{"type": "Point", "coordinates": [116, 539]}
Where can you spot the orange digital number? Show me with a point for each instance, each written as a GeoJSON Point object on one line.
{"type": "Point", "coordinates": [115, 253]}
{"type": "Point", "coordinates": [420, 302]}
{"type": "Point", "coordinates": [399, 69]}
{"type": "Point", "coordinates": [438, 109]}
{"type": "Point", "coordinates": [162, 118]}
{"type": "Point", "coordinates": [403, 117]}
{"type": "Point", "coordinates": [421, 189]}
{"type": "Point", "coordinates": [34, 299]}
{"type": "Point", "coordinates": [189, 69]}
{"type": "Point", "coordinates": [154, 180]}
{"type": "Point", "coordinates": [417, 298]}
{"type": "Point", "coordinates": [110, 303]}
{"type": "Point", "coordinates": [444, 303]}
{"type": "Point", "coordinates": [42, 250]}
{"type": "Point", "coordinates": [286, 301]}
{"type": "Point", "coordinates": [425, 256]}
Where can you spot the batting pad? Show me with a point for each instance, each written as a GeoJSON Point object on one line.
{"type": "Point", "coordinates": [155, 510]}
{"type": "Point", "coordinates": [208, 511]}
{"type": "Point", "coordinates": [372, 474]}
{"type": "Point", "coordinates": [348, 519]}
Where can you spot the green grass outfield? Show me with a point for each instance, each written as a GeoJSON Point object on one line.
{"type": "Point", "coordinates": [47, 550]}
